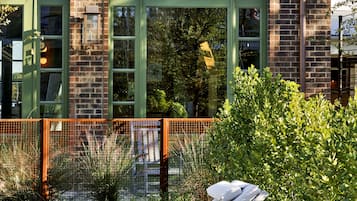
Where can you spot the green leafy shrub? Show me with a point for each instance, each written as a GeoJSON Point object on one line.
{"type": "Point", "coordinates": [296, 149]}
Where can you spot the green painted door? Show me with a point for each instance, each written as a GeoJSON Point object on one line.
{"type": "Point", "coordinates": [17, 59]}
{"type": "Point", "coordinates": [32, 73]}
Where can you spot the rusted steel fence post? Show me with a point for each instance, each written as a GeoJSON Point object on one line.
{"type": "Point", "coordinates": [164, 159]}
{"type": "Point", "coordinates": [45, 137]}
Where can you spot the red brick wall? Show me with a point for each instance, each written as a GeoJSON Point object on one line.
{"type": "Point", "coordinates": [284, 43]}
{"type": "Point", "coordinates": [88, 65]}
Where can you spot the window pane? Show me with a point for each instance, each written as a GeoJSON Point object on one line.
{"type": "Point", "coordinates": [11, 56]}
{"type": "Point", "coordinates": [51, 111]}
{"type": "Point", "coordinates": [16, 50]}
{"type": "Point", "coordinates": [51, 53]}
{"type": "Point", "coordinates": [123, 86]}
{"type": "Point", "coordinates": [124, 54]}
{"type": "Point", "coordinates": [249, 54]}
{"type": "Point", "coordinates": [12, 30]}
{"type": "Point", "coordinates": [51, 86]}
{"type": "Point", "coordinates": [17, 70]}
{"type": "Point", "coordinates": [186, 69]}
{"type": "Point", "coordinates": [124, 21]}
{"type": "Point", "coordinates": [249, 22]}
{"type": "Point", "coordinates": [16, 96]}
{"type": "Point", "coordinates": [123, 111]}
{"type": "Point", "coordinates": [51, 20]}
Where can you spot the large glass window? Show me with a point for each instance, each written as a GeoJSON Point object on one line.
{"type": "Point", "coordinates": [123, 61]}
{"type": "Point", "coordinates": [51, 62]}
{"type": "Point", "coordinates": [11, 71]}
{"type": "Point", "coordinates": [176, 59]}
{"type": "Point", "coordinates": [249, 37]}
{"type": "Point", "coordinates": [186, 65]}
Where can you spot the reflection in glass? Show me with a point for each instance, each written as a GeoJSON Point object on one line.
{"type": "Point", "coordinates": [123, 111]}
{"type": "Point", "coordinates": [51, 20]}
{"type": "Point", "coordinates": [11, 59]}
{"type": "Point", "coordinates": [249, 54]}
{"type": "Point", "coordinates": [17, 70]}
{"type": "Point", "coordinates": [51, 53]}
{"type": "Point", "coordinates": [91, 28]}
{"type": "Point", "coordinates": [124, 54]}
{"type": "Point", "coordinates": [123, 86]}
{"type": "Point", "coordinates": [51, 86]}
{"type": "Point", "coordinates": [124, 21]}
{"type": "Point", "coordinates": [16, 92]}
{"type": "Point", "coordinates": [186, 69]}
{"type": "Point", "coordinates": [249, 20]}
{"type": "Point", "coordinates": [51, 111]}
{"type": "Point", "coordinates": [16, 50]}
{"type": "Point", "coordinates": [14, 29]}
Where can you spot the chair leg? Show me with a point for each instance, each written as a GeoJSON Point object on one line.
{"type": "Point", "coordinates": [146, 179]}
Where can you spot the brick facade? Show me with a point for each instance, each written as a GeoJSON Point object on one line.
{"type": "Point", "coordinates": [284, 28]}
{"type": "Point", "coordinates": [88, 64]}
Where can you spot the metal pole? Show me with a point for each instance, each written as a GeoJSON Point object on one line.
{"type": "Point", "coordinates": [164, 159]}
{"type": "Point", "coordinates": [340, 56]}
{"type": "Point", "coordinates": [45, 126]}
{"type": "Point", "coordinates": [302, 45]}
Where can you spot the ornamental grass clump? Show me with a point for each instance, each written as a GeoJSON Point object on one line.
{"type": "Point", "coordinates": [18, 178]}
{"type": "Point", "coordinates": [106, 163]}
{"type": "Point", "coordinates": [197, 176]}
{"type": "Point", "coordinates": [292, 147]}
{"type": "Point", "coordinates": [61, 174]}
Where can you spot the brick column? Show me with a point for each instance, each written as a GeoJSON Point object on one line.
{"type": "Point", "coordinates": [88, 65]}
{"type": "Point", "coordinates": [318, 59]}
{"type": "Point", "coordinates": [284, 43]}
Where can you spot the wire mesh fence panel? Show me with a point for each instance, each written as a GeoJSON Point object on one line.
{"type": "Point", "coordinates": [88, 158]}
{"type": "Point", "coordinates": [73, 144]}
{"type": "Point", "coordinates": [142, 139]}
{"type": "Point", "coordinates": [20, 156]}
{"type": "Point", "coordinates": [187, 141]}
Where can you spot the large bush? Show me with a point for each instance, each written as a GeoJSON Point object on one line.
{"type": "Point", "coordinates": [296, 149]}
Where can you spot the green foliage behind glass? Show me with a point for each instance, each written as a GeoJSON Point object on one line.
{"type": "Point", "coordinates": [158, 103]}
{"type": "Point", "coordinates": [296, 149]}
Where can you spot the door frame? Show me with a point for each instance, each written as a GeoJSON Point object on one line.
{"type": "Point", "coordinates": [31, 38]}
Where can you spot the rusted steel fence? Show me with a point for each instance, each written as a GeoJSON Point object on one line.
{"type": "Point", "coordinates": [73, 151]}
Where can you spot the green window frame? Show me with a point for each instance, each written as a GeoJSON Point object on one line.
{"type": "Point", "coordinates": [31, 68]}
{"type": "Point", "coordinates": [54, 76]}
{"type": "Point", "coordinates": [234, 42]}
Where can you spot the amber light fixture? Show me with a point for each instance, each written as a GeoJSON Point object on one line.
{"type": "Point", "coordinates": [43, 59]}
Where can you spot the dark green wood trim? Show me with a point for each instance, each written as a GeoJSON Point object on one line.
{"type": "Point", "coordinates": [28, 102]}
{"type": "Point", "coordinates": [65, 54]}
{"type": "Point", "coordinates": [141, 60]}
{"type": "Point", "coordinates": [141, 39]}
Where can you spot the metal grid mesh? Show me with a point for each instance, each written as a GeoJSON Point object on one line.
{"type": "Point", "coordinates": [186, 137]}
{"type": "Point", "coordinates": [20, 153]}
{"type": "Point", "coordinates": [86, 150]}
{"type": "Point", "coordinates": [74, 143]}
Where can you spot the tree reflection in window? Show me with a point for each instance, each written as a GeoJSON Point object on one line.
{"type": "Point", "coordinates": [191, 75]}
